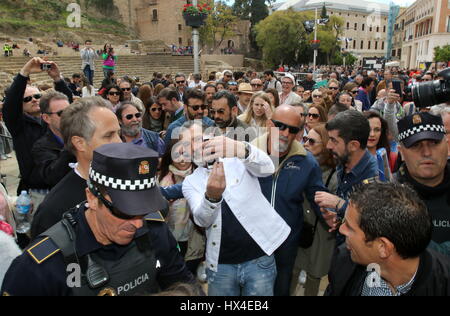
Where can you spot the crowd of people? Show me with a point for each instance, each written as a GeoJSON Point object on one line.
{"type": "Point", "coordinates": [258, 180]}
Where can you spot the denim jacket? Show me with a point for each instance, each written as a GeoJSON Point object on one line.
{"type": "Point", "coordinates": [245, 199]}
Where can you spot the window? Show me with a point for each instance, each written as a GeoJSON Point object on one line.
{"type": "Point", "coordinates": [356, 26]}
{"type": "Point", "coordinates": [348, 25]}
{"type": "Point", "coordinates": [370, 29]}
{"type": "Point", "coordinates": [393, 53]}
{"type": "Point", "coordinates": [179, 27]}
{"type": "Point", "coordinates": [155, 15]}
{"type": "Point", "coordinates": [378, 29]}
{"type": "Point", "coordinates": [354, 44]}
{"type": "Point", "coordinates": [399, 52]}
{"type": "Point", "coordinates": [384, 29]}
{"type": "Point", "coordinates": [382, 45]}
{"type": "Point", "coordinates": [448, 23]}
{"type": "Point", "coordinates": [362, 45]}
{"type": "Point", "coordinates": [368, 45]}
{"type": "Point", "coordinates": [180, 41]}
{"type": "Point", "coordinates": [376, 45]}
{"type": "Point", "coordinates": [363, 26]}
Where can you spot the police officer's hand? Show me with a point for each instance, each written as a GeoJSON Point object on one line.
{"type": "Point", "coordinates": [331, 219]}
{"type": "Point", "coordinates": [216, 182]}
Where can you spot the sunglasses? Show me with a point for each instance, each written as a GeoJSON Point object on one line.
{"type": "Point", "coordinates": [333, 88]}
{"type": "Point", "coordinates": [130, 116]}
{"type": "Point", "coordinates": [311, 141]}
{"type": "Point", "coordinates": [114, 93]}
{"type": "Point", "coordinates": [354, 92]}
{"type": "Point", "coordinates": [113, 210]}
{"type": "Point", "coordinates": [314, 116]}
{"type": "Point", "coordinates": [125, 89]}
{"type": "Point", "coordinates": [156, 109]}
{"type": "Point", "coordinates": [282, 127]}
{"type": "Point", "coordinates": [317, 96]}
{"type": "Point", "coordinates": [35, 96]}
{"type": "Point", "coordinates": [59, 113]}
{"type": "Point", "coordinates": [180, 82]}
{"type": "Point", "coordinates": [198, 107]}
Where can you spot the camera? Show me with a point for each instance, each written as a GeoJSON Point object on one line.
{"type": "Point", "coordinates": [430, 93]}
{"type": "Point", "coordinates": [46, 67]}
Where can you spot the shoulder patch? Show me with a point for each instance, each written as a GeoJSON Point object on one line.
{"type": "Point", "coordinates": [43, 250]}
{"type": "Point", "coordinates": [155, 217]}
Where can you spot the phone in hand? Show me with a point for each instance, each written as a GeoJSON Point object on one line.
{"type": "Point", "coordinates": [46, 67]}
{"type": "Point", "coordinates": [209, 164]}
{"type": "Point", "coordinates": [397, 86]}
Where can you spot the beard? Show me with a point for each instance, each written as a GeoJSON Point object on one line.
{"type": "Point", "coordinates": [283, 144]}
{"type": "Point", "coordinates": [132, 130]}
{"type": "Point", "coordinates": [224, 124]}
{"type": "Point", "coordinates": [343, 160]}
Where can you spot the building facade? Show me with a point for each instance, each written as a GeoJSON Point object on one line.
{"type": "Point", "coordinates": [365, 23]}
{"type": "Point", "coordinates": [424, 26]}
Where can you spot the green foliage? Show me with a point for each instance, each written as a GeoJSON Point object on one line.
{"type": "Point", "coordinates": [220, 24]}
{"type": "Point", "coordinates": [282, 37]}
{"type": "Point", "coordinates": [442, 54]}
{"type": "Point", "coordinates": [324, 15]}
{"type": "Point", "coordinates": [338, 59]}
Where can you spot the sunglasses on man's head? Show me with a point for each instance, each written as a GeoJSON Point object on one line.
{"type": "Point", "coordinates": [35, 96]}
{"type": "Point", "coordinates": [59, 113]}
{"type": "Point", "coordinates": [130, 116]}
{"type": "Point", "coordinates": [198, 107]}
{"type": "Point", "coordinates": [282, 127]}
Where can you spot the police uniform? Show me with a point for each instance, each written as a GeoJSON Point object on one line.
{"type": "Point", "coordinates": [67, 260]}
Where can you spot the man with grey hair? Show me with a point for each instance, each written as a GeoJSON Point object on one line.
{"type": "Point", "coordinates": [50, 158]}
{"type": "Point", "coordinates": [181, 84]}
{"type": "Point", "coordinates": [86, 125]}
{"type": "Point", "coordinates": [444, 111]}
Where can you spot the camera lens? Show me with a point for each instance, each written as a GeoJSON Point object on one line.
{"type": "Point", "coordinates": [431, 93]}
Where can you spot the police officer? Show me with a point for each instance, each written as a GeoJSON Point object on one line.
{"type": "Point", "coordinates": [115, 244]}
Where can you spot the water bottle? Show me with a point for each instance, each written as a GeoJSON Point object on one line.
{"type": "Point", "coordinates": [23, 208]}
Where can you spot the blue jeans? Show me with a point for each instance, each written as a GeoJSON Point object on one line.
{"type": "Point", "coordinates": [89, 74]}
{"type": "Point", "coordinates": [251, 278]}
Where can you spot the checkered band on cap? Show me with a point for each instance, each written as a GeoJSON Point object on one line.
{"type": "Point", "coordinates": [123, 185]}
{"type": "Point", "coordinates": [422, 128]}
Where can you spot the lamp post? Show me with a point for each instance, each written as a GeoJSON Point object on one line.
{"type": "Point", "coordinates": [315, 41]}
{"type": "Point", "coordinates": [195, 41]}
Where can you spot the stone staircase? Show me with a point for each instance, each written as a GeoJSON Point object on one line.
{"type": "Point", "coordinates": [142, 66]}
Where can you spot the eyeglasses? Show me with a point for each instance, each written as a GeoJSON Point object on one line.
{"type": "Point", "coordinates": [125, 89]}
{"type": "Point", "coordinates": [286, 82]}
{"type": "Point", "coordinates": [317, 96]}
{"type": "Point", "coordinates": [180, 82]}
{"type": "Point", "coordinates": [59, 113]}
{"type": "Point", "coordinates": [156, 109]}
{"type": "Point", "coordinates": [114, 211]}
{"type": "Point", "coordinates": [313, 115]}
{"type": "Point", "coordinates": [354, 91]}
{"type": "Point", "coordinates": [256, 85]}
{"type": "Point", "coordinates": [35, 96]}
{"type": "Point", "coordinates": [198, 107]}
{"type": "Point", "coordinates": [282, 127]}
{"type": "Point", "coordinates": [213, 112]}
{"type": "Point", "coordinates": [130, 116]}
{"type": "Point", "coordinates": [312, 141]}
{"type": "Point", "coordinates": [333, 88]}
{"type": "Point", "coordinates": [114, 93]}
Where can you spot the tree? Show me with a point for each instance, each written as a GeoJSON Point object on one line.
{"type": "Point", "coordinates": [442, 54]}
{"type": "Point", "coordinates": [324, 14]}
{"type": "Point", "coordinates": [328, 36]}
{"type": "Point", "coordinates": [219, 25]}
{"type": "Point", "coordinates": [283, 39]}
{"type": "Point", "coordinates": [338, 59]}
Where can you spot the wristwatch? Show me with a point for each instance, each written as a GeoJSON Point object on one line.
{"type": "Point", "coordinates": [248, 149]}
{"type": "Point", "coordinates": [213, 201]}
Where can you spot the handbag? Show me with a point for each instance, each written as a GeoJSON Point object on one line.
{"type": "Point", "coordinates": [308, 230]}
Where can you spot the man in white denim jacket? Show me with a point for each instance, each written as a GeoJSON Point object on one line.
{"type": "Point", "coordinates": [243, 229]}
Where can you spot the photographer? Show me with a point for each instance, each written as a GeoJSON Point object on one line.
{"type": "Point", "coordinates": [109, 60]}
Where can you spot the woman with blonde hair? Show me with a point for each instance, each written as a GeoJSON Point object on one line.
{"type": "Point", "coordinates": [259, 110]}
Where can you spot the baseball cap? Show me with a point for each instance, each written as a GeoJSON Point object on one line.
{"type": "Point", "coordinates": [420, 126]}
{"type": "Point", "coordinates": [128, 172]}
{"type": "Point", "coordinates": [290, 77]}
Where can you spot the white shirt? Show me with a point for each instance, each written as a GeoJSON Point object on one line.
{"type": "Point", "coordinates": [245, 199]}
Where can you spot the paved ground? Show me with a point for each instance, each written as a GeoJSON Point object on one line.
{"type": "Point", "coordinates": [11, 170]}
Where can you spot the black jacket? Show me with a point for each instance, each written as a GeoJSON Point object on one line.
{"type": "Point", "coordinates": [51, 159]}
{"type": "Point", "coordinates": [347, 278]}
{"type": "Point", "coordinates": [25, 130]}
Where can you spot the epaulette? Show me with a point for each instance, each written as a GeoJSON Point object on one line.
{"type": "Point", "coordinates": [43, 250]}
{"type": "Point", "coordinates": [155, 217]}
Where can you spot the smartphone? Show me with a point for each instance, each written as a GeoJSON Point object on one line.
{"type": "Point", "coordinates": [46, 67]}
{"type": "Point", "coordinates": [397, 86]}
{"type": "Point", "coordinates": [209, 164]}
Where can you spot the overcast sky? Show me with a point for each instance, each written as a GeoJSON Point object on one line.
{"type": "Point", "coordinates": [404, 3]}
